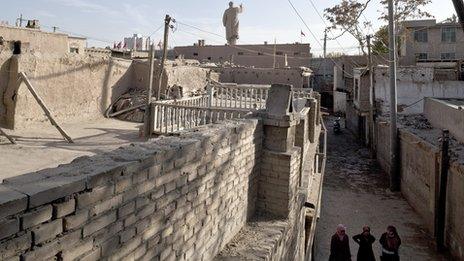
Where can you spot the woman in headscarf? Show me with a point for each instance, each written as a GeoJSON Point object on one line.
{"type": "Point", "coordinates": [390, 242]}
{"type": "Point", "coordinates": [340, 245]}
{"type": "Point", "coordinates": [365, 241]}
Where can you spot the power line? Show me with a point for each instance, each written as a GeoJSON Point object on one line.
{"type": "Point", "coordinates": [314, 36]}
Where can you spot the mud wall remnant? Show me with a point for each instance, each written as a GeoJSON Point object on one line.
{"type": "Point", "coordinates": [73, 87]}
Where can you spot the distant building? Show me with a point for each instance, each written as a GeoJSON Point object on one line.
{"type": "Point", "coordinates": [429, 41]}
{"type": "Point", "coordinates": [21, 39]}
{"type": "Point", "coordinates": [256, 55]}
{"type": "Point", "coordinates": [137, 42]}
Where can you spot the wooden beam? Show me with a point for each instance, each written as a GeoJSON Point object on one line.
{"type": "Point", "coordinates": [44, 107]}
{"type": "Point", "coordinates": [7, 136]}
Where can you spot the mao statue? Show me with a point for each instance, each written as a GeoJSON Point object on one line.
{"type": "Point", "coordinates": [231, 22]}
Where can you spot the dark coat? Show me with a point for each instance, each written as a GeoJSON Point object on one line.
{"type": "Point", "coordinates": [340, 249]}
{"type": "Point", "coordinates": [390, 257]}
{"type": "Point", "coordinates": [365, 252]}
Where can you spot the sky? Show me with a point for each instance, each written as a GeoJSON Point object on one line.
{"type": "Point", "coordinates": [104, 22]}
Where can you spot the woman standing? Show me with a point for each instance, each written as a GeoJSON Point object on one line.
{"type": "Point", "coordinates": [365, 241]}
{"type": "Point", "coordinates": [340, 245]}
{"type": "Point", "coordinates": [390, 242]}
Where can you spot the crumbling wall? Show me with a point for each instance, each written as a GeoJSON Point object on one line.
{"type": "Point", "coordinates": [190, 77]}
{"type": "Point", "coordinates": [445, 115]}
{"type": "Point", "coordinates": [4, 75]}
{"type": "Point", "coordinates": [73, 87]}
{"type": "Point", "coordinates": [176, 198]}
{"type": "Point", "coordinates": [454, 212]}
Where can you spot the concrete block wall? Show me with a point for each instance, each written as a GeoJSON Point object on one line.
{"type": "Point", "coordinates": [176, 198]}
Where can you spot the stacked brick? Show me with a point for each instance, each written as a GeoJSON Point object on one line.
{"type": "Point", "coordinates": [176, 198]}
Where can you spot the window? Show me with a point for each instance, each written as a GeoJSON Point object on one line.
{"type": "Point", "coordinates": [421, 35]}
{"type": "Point", "coordinates": [448, 34]}
{"type": "Point", "coordinates": [195, 54]}
{"type": "Point", "coordinates": [279, 53]}
{"type": "Point", "coordinates": [448, 56]}
{"type": "Point", "coordinates": [240, 53]}
{"type": "Point", "coordinates": [296, 53]}
{"type": "Point", "coordinates": [73, 50]}
{"type": "Point", "coordinates": [421, 56]}
{"type": "Point", "coordinates": [260, 54]}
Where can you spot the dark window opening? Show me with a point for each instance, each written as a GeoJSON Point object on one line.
{"type": "Point", "coordinates": [240, 53]}
{"type": "Point", "coordinates": [296, 53]}
{"type": "Point", "coordinates": [260, 54]}
{"type": "Point", "coordinates": [195, 54]}
{"type": "Point", "coordinates": [209, 58]}
{"type": "Point", "coordinates": [279, 53]}
{"type": "Point", "coordinates": [17, 47]}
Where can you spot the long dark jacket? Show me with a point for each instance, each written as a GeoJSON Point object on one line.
{"type": "Point", "coordinates": [365, 252]}
{"type": "Point", "coordinates": [340, 249]}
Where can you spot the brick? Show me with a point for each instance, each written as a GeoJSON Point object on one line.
{"type": "Point", "coordinates": [168, 177]}
{"type": "Point", "coordinates": [154, 171]}
{"type": "Point", "coordinates": [97, 194]}
{"type": "Point", "coordinates": [130, 220]}
{"type": "Point", "coordinates": [92, 255]}
{"type": "Point", "coordinates": [14, 246]}
{"type": "Point", "coordinates": [109, 246]}
{"type": "Point", "coordinates": [47, 231]}
{"type": "Point", "coordinates": [36, 217]}
{"type": "Point", "coordinates": [123, 185]}
{"type": "Point", "coordinates": [106, 205]}
{"type": "Point", "coordinates": [47, 251]}
{"type": "Point", "coordinates": [165, 253]}
{"type": "Point", "coordinates": [99, 223]}
{"type": "Point", "coordinates": [142, 201]}
{"type": "Point", "coordinates": [126, 249]}
{"type": "Point", "coordinates": [77, 250]}
{"type": "Point", "coordinates": [8, 227]}
{"type": "Point", "coordinates": [140, 177]}
{"type": "Point", "coordinates": [105, 234]}
{"type": "Point", "coordinates": [11, 201]}
{"type": "Point", "coordinates": [64, 208]}
{"type": "Point", "coordinates": [76, 220]}
{"type": "Point", "coordinates": [127, 234]}
{"type": "Point", "coordinates": [126, 209]}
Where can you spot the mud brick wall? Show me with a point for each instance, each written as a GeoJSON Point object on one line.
{"type": "Point", "coordinates": [176, 198]}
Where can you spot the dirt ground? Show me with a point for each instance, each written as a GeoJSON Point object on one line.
{"type": "Point", "coordinates": [356, 193]}
{"type": "Point", "coordinates": [42, 146]}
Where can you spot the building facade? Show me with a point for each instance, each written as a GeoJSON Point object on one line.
{"type": "Point", "coordinates": [427, 40]}
{"type": "Point", "coordinates": [257, 55]}
{"type": "Point", "coordinates": [137, 42]}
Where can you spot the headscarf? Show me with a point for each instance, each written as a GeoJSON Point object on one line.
{"type": "Point", "coordinates": [393, 242]}
{"type": "Point", "coordinates": [340, 228]}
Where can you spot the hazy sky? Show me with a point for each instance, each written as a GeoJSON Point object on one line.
{"type": "Point", "coordinates": [107, 21]}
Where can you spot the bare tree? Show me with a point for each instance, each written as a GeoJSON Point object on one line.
{"type": "Point", "coordinates": [406, 9]}
{"type": "Point", "coordinates": [346, 17]}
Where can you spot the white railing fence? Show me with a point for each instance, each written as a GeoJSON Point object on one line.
{"type": "Point", "coordinates": [239, 96]}
{"type": "Point", "coordinates": [170, 118]}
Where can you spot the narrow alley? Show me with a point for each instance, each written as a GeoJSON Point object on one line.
{"type": "Point", "coordinates": [356, 194]}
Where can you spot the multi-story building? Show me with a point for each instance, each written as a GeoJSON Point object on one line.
{"type": "Point", "coordinates": [429, 41]}
{"type": "Point", "coordinates": [137, 43]}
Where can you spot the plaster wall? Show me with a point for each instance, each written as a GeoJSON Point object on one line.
{"type": "Point", "coordinates": [36, 40]}
{"type": "Point", "coordinates": [340, 102]}
{"type": "Point", "coordinates": [413, 84]}
{"type": "Point", "coordinates": [445, 115]}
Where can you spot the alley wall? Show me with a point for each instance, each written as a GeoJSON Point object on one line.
{"type": "Point", "coordinates": [420, 173]}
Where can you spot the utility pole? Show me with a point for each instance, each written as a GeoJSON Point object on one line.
{"type": "Point", "coordinates": [148, 121]}
{"type": "Point", "coordinates": [167, 22]}
{"type": "Point", "coordinates": [371, 94]}
{"type": "Point", "coordinates": [54, 28]}
{"type": "Point", "coordinates": [440, 216]}
{"type": "Point", "coordinates": [325, 43]}
{"type": "Point", "coordinates": [394, 175]}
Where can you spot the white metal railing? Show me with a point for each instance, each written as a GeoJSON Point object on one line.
{"type": "Point", "coordinates": [170, 118]}
{"type": "Point", "coordinates": [239, 96]}
{"type": "Point", "coordinates": [197, 101]}
{"type": "Point", "coordinates": [305, 93]}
